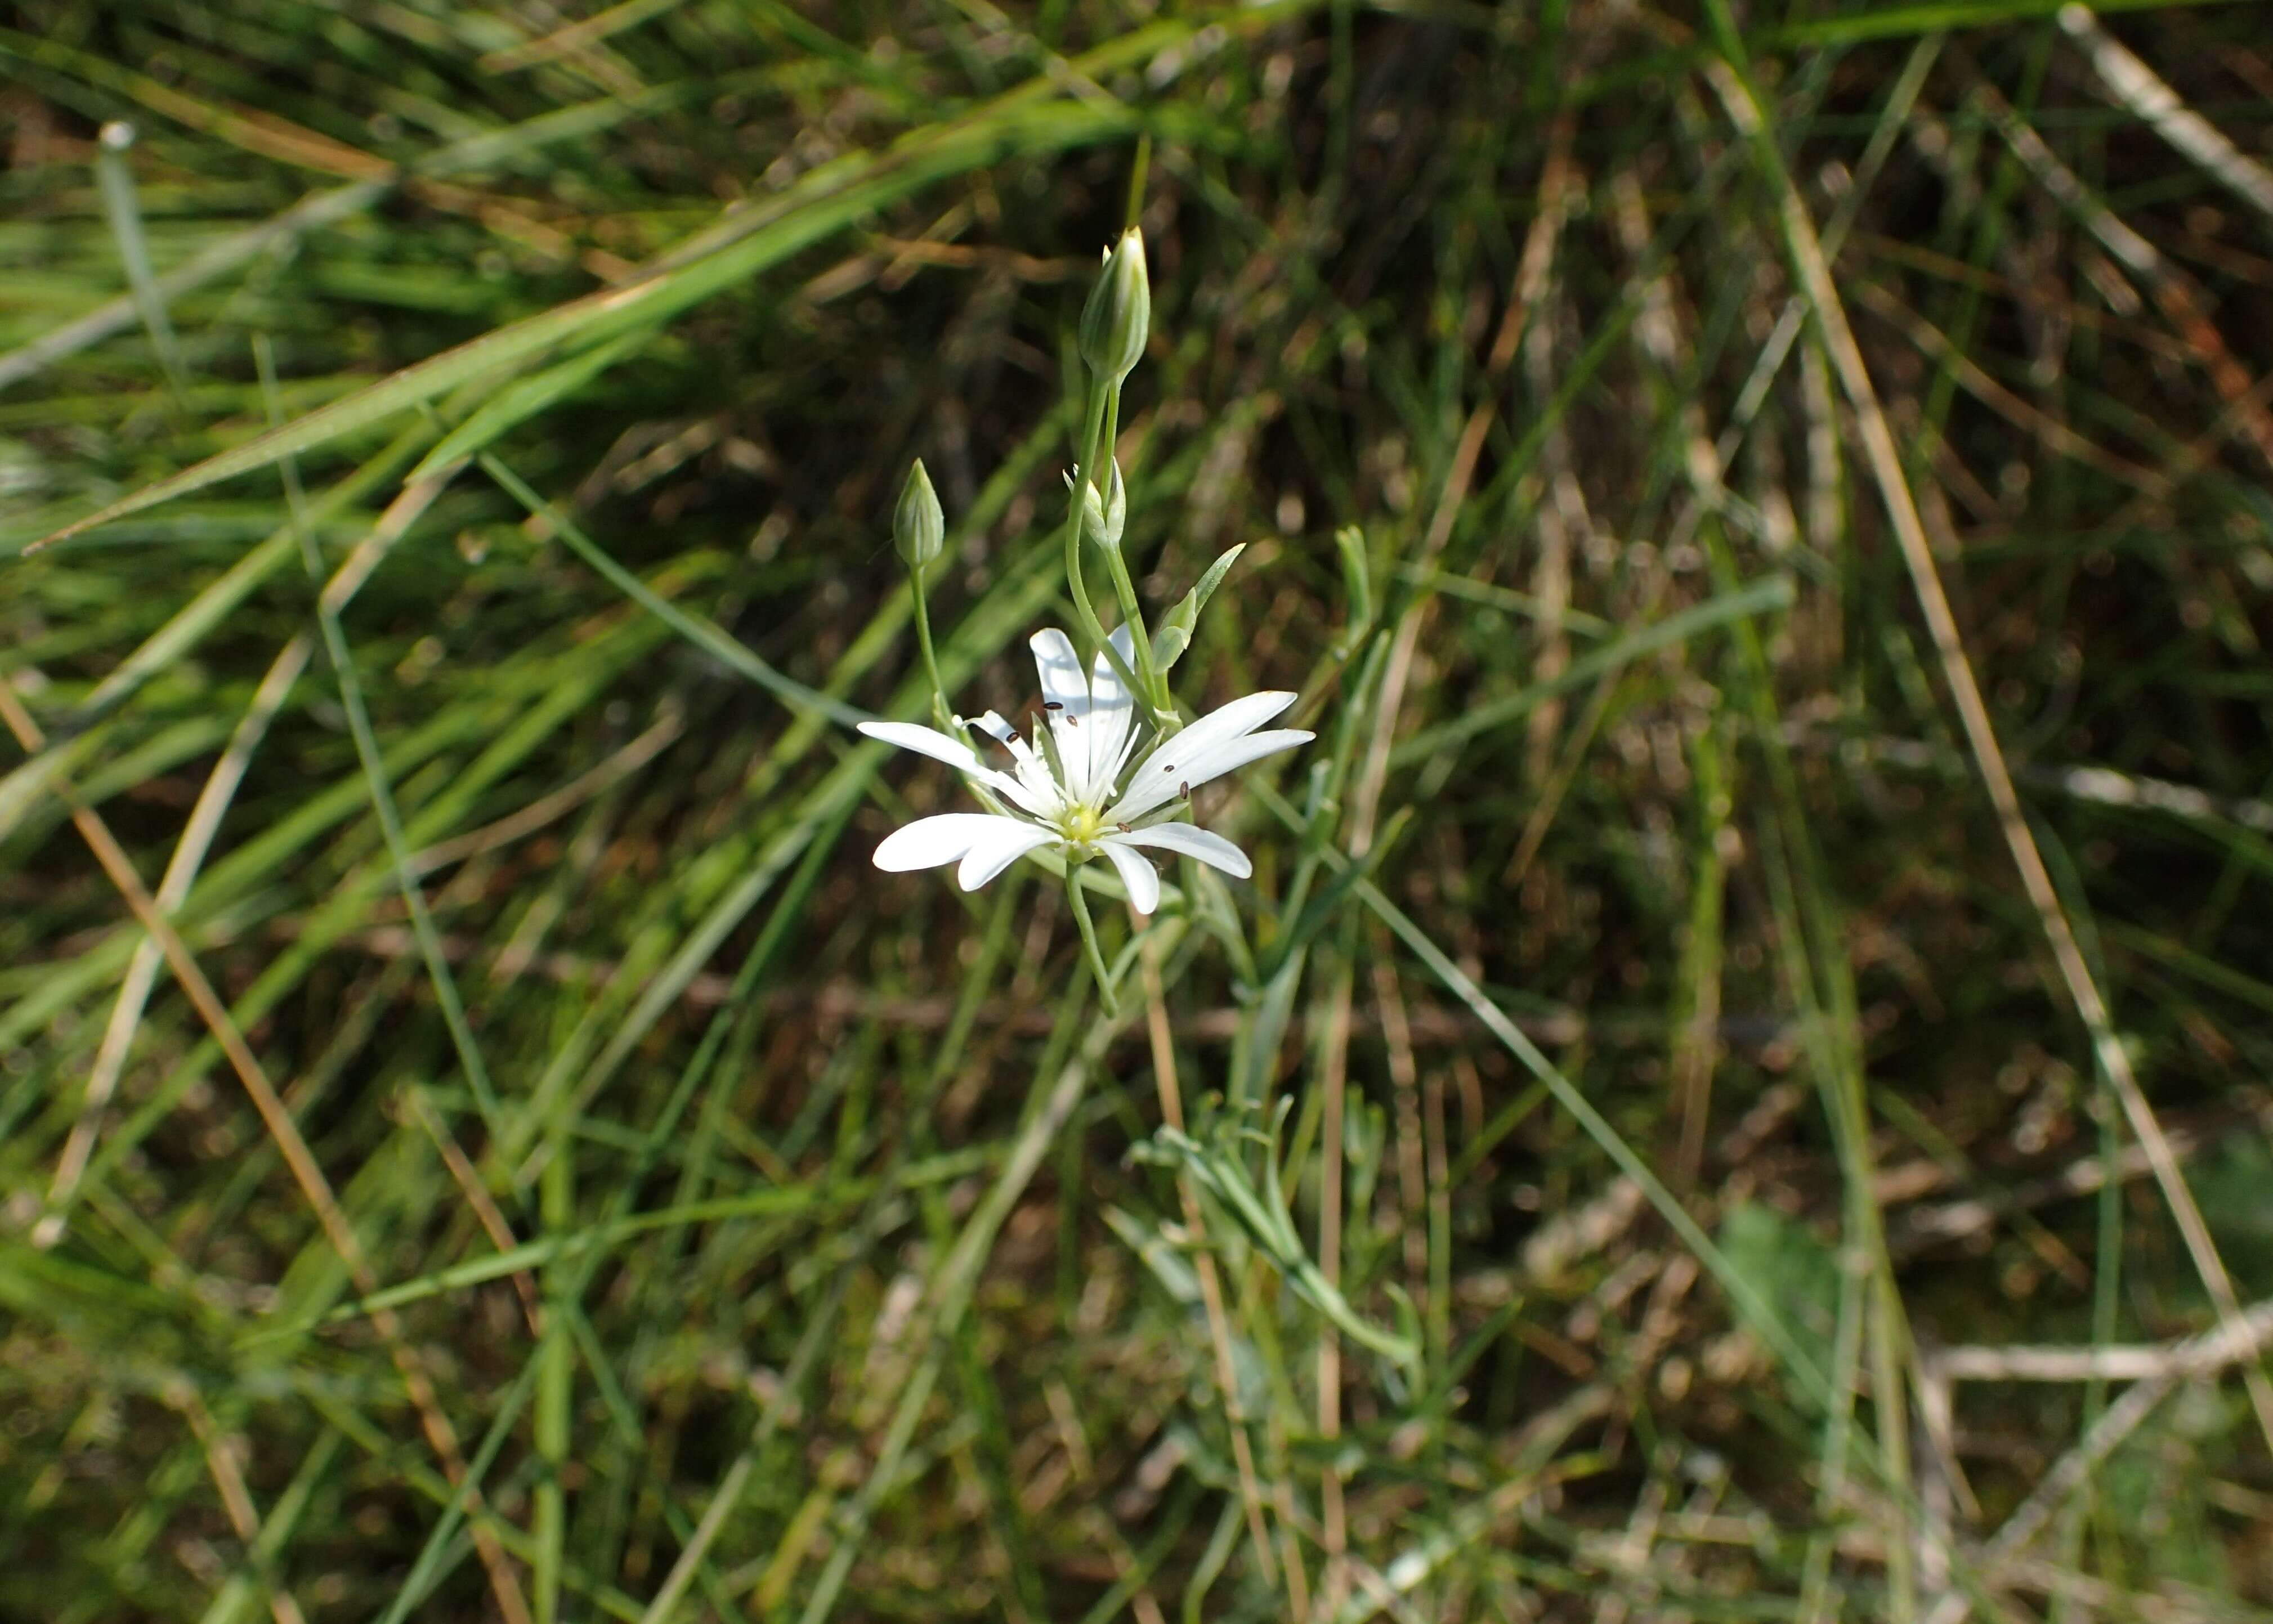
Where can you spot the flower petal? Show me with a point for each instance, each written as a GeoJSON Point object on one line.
{"type": "Point", "coordinates": [1033, 788]}
{"type": "Point", "coordinates": [1088, 714]}
{"type": "Point", "coordinates": [1241, 716]}
{"type": "Point", "coordinates": [993, 725]}
{"type": "Point", "coordinates": [1212, 849]}
{"type": "Point", "coordinates": [1063, 682]}
{"type": "Point", "coordinates": [1111, 711]}
{"type": "Point", "coordinates": [1136, 876]}
{"type": "Point", "coordinates": [925, 741]}
{"type": "Point", "coordinates": [1221, 740]}
{"type": "Point", "coordinates": [929, 842]}
{"type": "Point", "coordinates": [997, 849]}
{"type": "Point", "coordinates": [1149, 791]}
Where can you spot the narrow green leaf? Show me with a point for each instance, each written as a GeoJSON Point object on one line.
{"type": "Point", "coordinates": [746, 241]}
{"type": "Point", "coordinates": [525, 399]}
{"type": "Point", "coordinates": [1762, 596]}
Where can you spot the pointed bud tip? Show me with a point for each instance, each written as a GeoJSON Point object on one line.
{"type": "Point", "coordinates": [1105, 515]}
{"type": "Point", "coordinates": [1119, 314]}
{"type": "Point", "coordinates": [918, 526]}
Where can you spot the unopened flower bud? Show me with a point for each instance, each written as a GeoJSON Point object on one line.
{"type": "Point", "coordinates": [1104, 517]}
{"type": "Point", "coordinates": [1119, 313]}
{"type": "Point", "coordinates": [918, 527]}
{"type": "Point", "coordinates": [1117, 505]}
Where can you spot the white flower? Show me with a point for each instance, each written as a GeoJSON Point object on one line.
{"type": "Point", "coordinates": [1060, 785]}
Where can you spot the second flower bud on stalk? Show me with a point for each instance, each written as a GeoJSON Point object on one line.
{"type": "Point", "coordinates": [1103, 518]}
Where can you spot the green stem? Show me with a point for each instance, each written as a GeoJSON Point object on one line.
{"type": "Point", "coordinates": [1085, 448]}
{"type": "Point", "coordinates": [1147, 685]}
{"type": "Point", "coordinates": [1153, 691]}
{"type": "Point", "coordinates": [1101, 399]}
{"type": "Point", "coordinates": [941, 715]}
{"type": "Point", "coordinates": [1089, 941]}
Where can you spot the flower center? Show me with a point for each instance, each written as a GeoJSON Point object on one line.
{"type": "Point", "coordinates": [1080, 825]}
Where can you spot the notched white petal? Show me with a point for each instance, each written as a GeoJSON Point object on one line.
{"type": "Point", "coordinates": [1243, 715]}
{"type": "Point", "coordinates": [1174, 770]}
{"type": "Point", "coordinates": [923, 741]}
{"type": "Point", "coordinates": [1169, 761]}
{"type": "Point", "coordinates": [1210, 848]}
{"type": "Point", "coordinates": [996, 849]}
{"type": "Point", "coordinates": [1136, 876]}
{"type": "Point", "coordinates": [1112, 712]}
{"type": "Point", "coordinates": [929, 842]}
{"type": "Point", "coordinates": [993, 725]}
{"type": "Point", "coordinates": [1063, 681]}
{"type": "Point", "coordinates": [1240, 752]}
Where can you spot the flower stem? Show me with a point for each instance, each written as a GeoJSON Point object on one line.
{"type": "Point", "coordinates": [1085, 448]}
{"type": "Point", "coordinates": [1103, 399]}
{"type": "Point", "coordinates": [1089, 940]}
{"type": "Point", "coordinates": [1153, 691]}
{"type": "Point", "coordinates": [941, 715]}
{"type": "Point", "coordinates": [1147, 684]}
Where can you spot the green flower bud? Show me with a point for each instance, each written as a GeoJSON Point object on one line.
{"type": "Point", "coordinates": [1119, 313]}
{"type": "Point", "coordinates": [1117, 505]}
{"type": "Point", "coordinates": [918, 527]}
{"type": "Point", "coordinates": [1103, 518]}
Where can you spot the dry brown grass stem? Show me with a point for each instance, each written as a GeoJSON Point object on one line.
{"type": "Point", "coordinates": [1226, 1373]}
{"type": "Point", "coordinates": [1989, 757]}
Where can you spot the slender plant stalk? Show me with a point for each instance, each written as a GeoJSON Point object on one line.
{"type": "Point", "coordinates": [941, 713]}
{"type": "Point", "coordinates": [1097, 969]}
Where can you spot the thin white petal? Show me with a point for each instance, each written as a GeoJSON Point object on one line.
{"type": "Point", "coordinates": [1214, 745]}
{"type": "Point", "coordinates": [1136, 876]}
{"type": "Point", "coordinates": [997, 849]}
{"type": "Point", "coordinates": [1033, 788]}
{"type": "Point", "coordinates": [993, 725]}
{"type": "Point", "coordinates": [1212, 849]}
{"type": "Point", "coordinates": [1063, 682]}
{"type": "Point", "coordinates": [1171, 755]}
{"type": "Point", "coordinates": [929, 842]}
{"type": "Point", "coordinates": [930, 742]}
{"type": "Point", "coordinates": [1237, 753]}
{"type": "Point", "coordinates": [1019, 794]}
{"type": "Point", "coordinates": [925, 741]}
{"type": "Point", "coordinates": [1111, 710]}
{"type": "Point", "coordinates": [1068, 701]}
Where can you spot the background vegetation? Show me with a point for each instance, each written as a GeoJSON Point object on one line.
{"type": "Point", "coordinates": [478, 1140]}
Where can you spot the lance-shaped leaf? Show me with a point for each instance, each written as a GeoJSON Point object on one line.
{"type": "Point", "coordinates": [1175, 634]}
